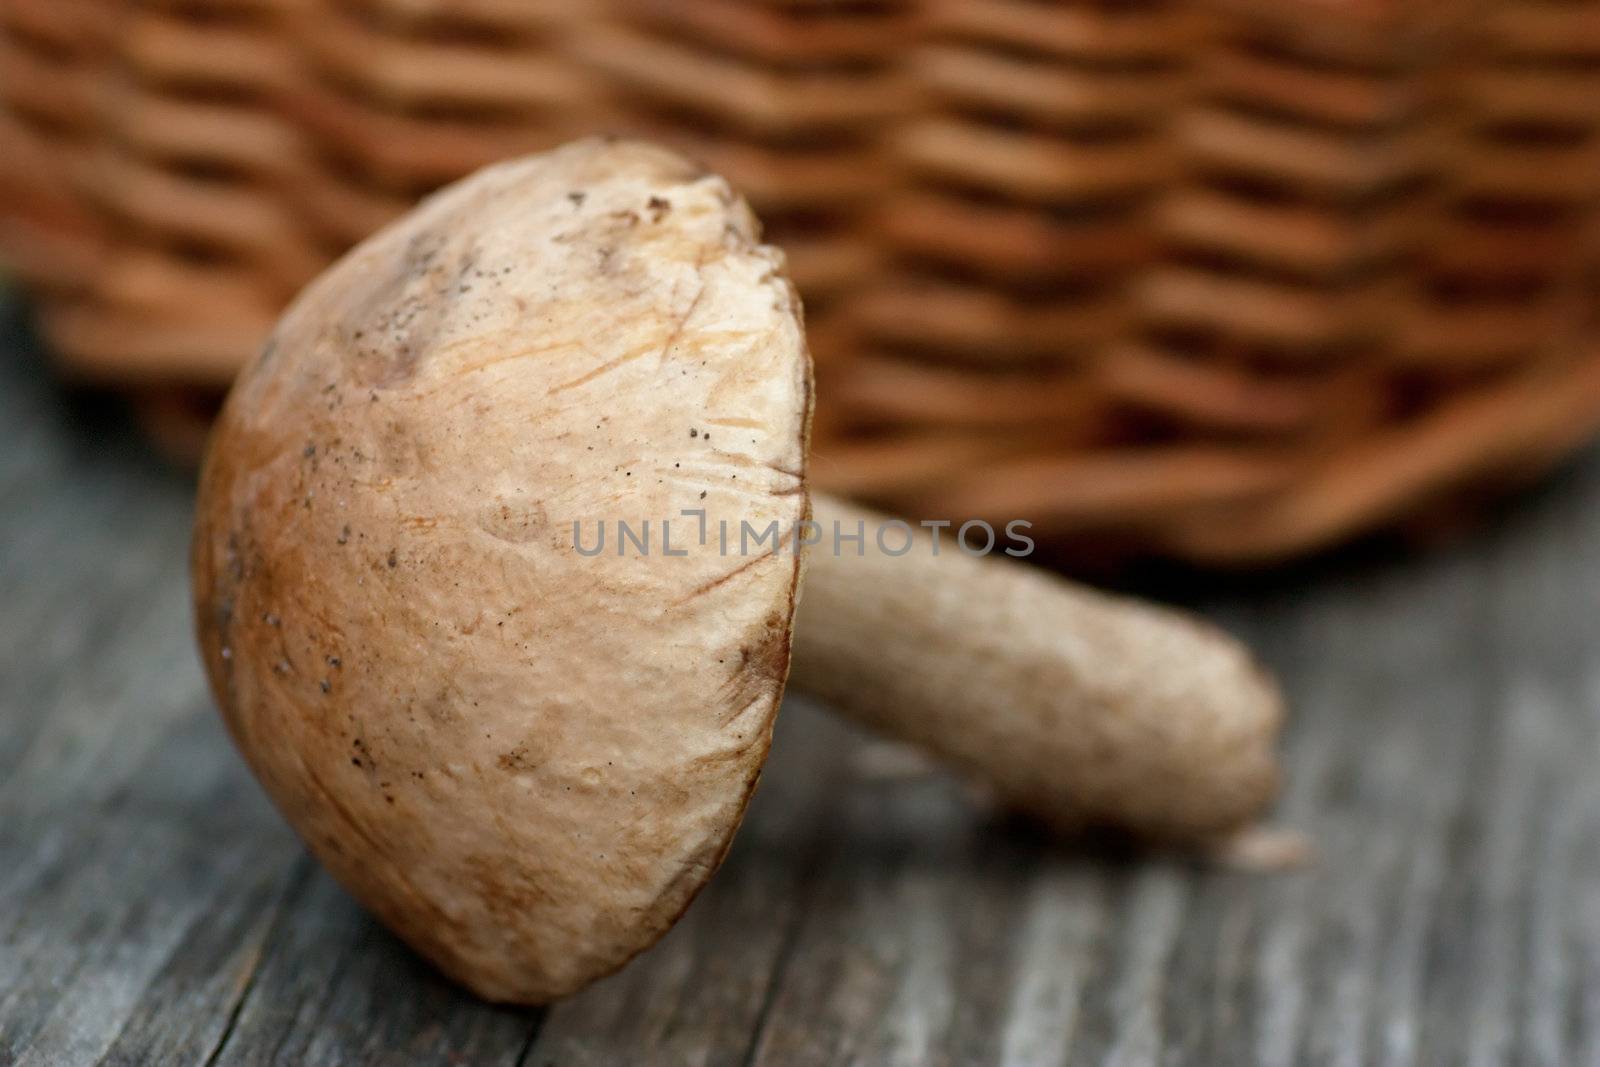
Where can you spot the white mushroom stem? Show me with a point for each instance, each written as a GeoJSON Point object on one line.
{"type": "Point", "coordinates": [1079, 708]}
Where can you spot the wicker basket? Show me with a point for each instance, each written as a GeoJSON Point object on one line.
{"type": "Point", "coordinates": [1222, 279]}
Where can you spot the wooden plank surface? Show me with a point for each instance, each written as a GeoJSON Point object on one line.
{"type": "Point", "coordinates": [155, 910]}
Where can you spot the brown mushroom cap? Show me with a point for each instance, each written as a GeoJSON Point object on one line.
{"type": "Point", "coordinates": [524, 760]}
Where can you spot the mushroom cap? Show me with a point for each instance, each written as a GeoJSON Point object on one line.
{"type": "Point", "coordinates": [525, 760]}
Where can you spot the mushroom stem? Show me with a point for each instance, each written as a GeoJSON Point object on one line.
{"type": "Point", "coordinates": [1076, 707]}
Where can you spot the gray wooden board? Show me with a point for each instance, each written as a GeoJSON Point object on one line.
{"type": "Point", "coordinates": [155, 910]}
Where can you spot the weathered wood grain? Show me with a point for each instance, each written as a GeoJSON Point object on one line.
{"type": "Point", "coordinates": [155, 910]}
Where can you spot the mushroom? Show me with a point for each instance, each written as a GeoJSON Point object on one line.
{"type": "Point", "coordinates": [526, 757]}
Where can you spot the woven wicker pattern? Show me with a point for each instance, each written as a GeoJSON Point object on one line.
{"type": "Point", "coordinates": [400, 96]}
{"type": "Point", "coordinates": [1224, 279]}
{"type": "Point", "coordinates": [789, 100]}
